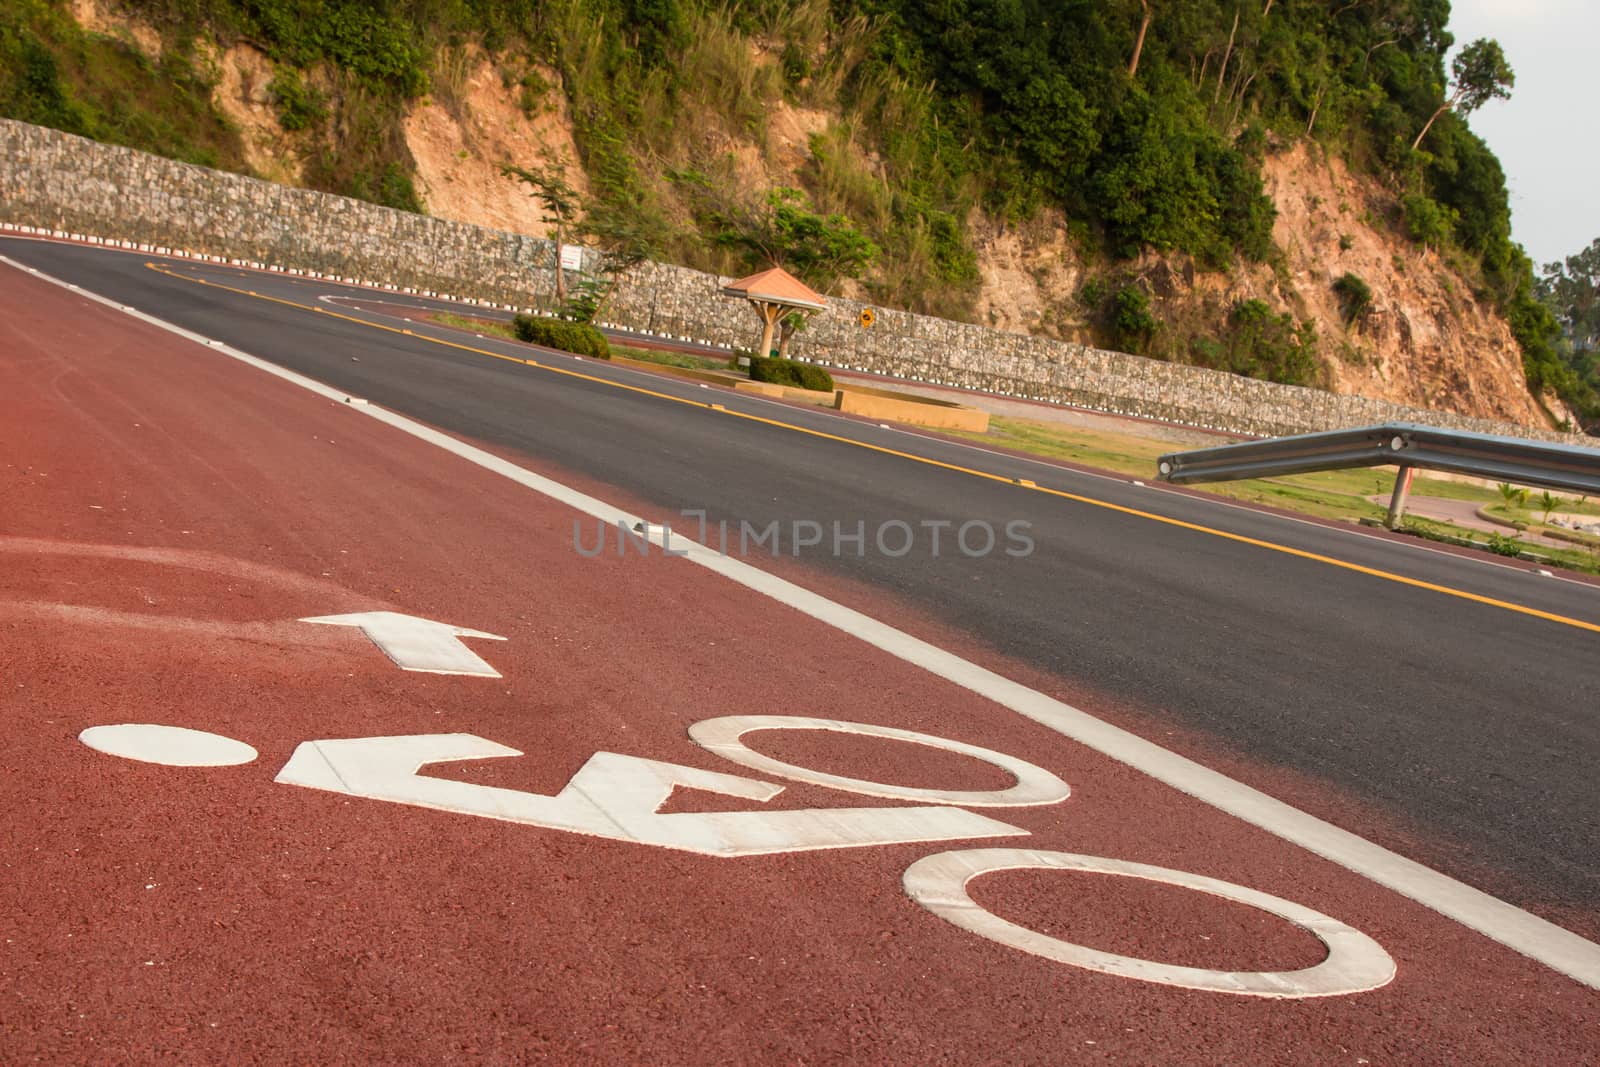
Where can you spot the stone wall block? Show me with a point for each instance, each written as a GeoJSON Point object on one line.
{"type": "Point", "coordinates": [56, 180]}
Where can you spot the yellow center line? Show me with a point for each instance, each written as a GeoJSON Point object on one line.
{"type": "Point", "coordinates": [1021, 483]}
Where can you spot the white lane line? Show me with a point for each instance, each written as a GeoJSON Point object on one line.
{"type": "Point", "coordinates": [1536, 938]}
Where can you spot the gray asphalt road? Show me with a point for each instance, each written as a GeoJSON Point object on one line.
{"type": "Point", "coordinates": [1473, 727]}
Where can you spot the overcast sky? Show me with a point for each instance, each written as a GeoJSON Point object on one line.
{"type": "Point", "coordinates": [1547, 135]}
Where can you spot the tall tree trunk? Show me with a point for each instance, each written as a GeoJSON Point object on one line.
{"type": "Point", "coordinates": [1315, 107]}
{"type": "Point", "coordinates": [1238, 108]}
{"type": "Point", "coordinates": [1429, 124]}
{"type": "Point", "coordinates": [605, 297]}
{"type": "Point", "coordinates": [1226, 55]}
{"type": "Point", "coordinates": [1138, 45]}
{"type": "Point", "coordinates": [561, 279]}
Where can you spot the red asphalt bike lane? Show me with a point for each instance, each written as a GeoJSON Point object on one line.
{"type": "Point", "coordinates": [168, 514]}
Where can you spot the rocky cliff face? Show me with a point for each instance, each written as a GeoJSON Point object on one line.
{"type": "Point", "coordinates": [1426, 341]}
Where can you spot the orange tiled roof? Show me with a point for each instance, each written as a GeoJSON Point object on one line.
{"type": "Point", "coordinates": [777, 286]}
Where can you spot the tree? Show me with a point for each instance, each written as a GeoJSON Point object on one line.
{"type": "Point", "coordinates": [1570, 294]}
{"type": "Point", "coordinates": [1514, 496]}
{"type": "Point", "coordinates": [626, 239]}
{"type": "Point", "coordinates": [1427, 222]}
{"type": "Point", "coordinates": [562, 205]}
{"type": "Point", "coordinates": [1480, 73]}
{"type": "Point", "coordinates": [1138, 44]}
{"type": "Point", "coordinates": [792, 324]}
{"type": "Point", "coordinates": [781, 229]}
{"type": "Point", "coordinates": [1571, 290]}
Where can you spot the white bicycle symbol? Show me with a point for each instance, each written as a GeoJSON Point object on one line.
{"type": "Point", "coordinates": [618, 797]}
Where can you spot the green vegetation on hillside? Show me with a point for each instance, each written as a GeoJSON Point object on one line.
{"type": "Point", "coordinates": [1570, 291]}
{"type": "Point", "coordinates": [1165, 157]}
{"type": "Point", "coordinates": [1145, 124]}
{"type": "Point", "coordinates": [54, 74]}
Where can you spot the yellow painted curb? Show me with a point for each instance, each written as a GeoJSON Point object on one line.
{"type": "Point", "coordinates": [785, 392]}
{"type": "Point", "coordinates": [938, 414]}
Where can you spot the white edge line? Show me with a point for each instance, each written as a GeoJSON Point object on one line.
{"type": "Point", "coordinates": [1538, 939]}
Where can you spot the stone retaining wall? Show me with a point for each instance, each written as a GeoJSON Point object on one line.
{"type": "Point", "coordinates": [61, 182]}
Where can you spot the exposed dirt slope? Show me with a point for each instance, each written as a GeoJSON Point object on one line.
{"type": "Point", "coordinates": [97, 16]}
{"type": "Point", "coordinates": [244, 75]}
{"type": "Point", "coordinates": [1426, 341]}
{"type": "Point", "coordinates": [461, 136]}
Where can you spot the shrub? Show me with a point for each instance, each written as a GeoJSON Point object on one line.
{"type": "Point", "coordinates": [584, 299]}
{"type": "Point", "coordinates": [1134, 323]}
{"type": "Point", "coordinates": [299, 107]}
{"type": "Point", "coordinates": [1514, 496]}
{"type": "Point", "coordinates": [1502, 545]}
{"type": "Point", "coordinates": [1427, 221]}
{"type": "Point", "coordinates": [790, 372]}
{"type": "Point", "coordinates": [815, 378]}
{"type": "Point", "coordinates": [1092, 294]}
{"type": "Point", "coordinates": [796, 66]}
{"type": "Point", "coordinates": [1261, 344]}
{"type": "Point", "coordinates": [1355, 297]}
{"type": "Point", "coordinates": [577, 338]}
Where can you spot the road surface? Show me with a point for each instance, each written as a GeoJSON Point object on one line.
{"type": "Point", "coordinates": [173, 514]}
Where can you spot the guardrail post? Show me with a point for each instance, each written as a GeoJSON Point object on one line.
{"type": "Point", "coordinates": [1402, 492]}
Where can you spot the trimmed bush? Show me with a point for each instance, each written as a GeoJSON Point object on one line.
{"type": "Point", "coordinates": [575, 337]}
{"type": "Point", "coordinates": [790, 372]}
{"type": "Point", "coordinates": [815, 377]}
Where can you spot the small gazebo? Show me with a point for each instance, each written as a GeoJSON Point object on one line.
{"type": "Point", "coordinates": [774, 293]}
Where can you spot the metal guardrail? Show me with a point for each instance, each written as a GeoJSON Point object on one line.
{"type": "Point", "coordinates": [1405, 445]}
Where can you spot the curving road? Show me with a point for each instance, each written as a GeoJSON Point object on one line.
{"type": "Point", "coordinates": [1473, 727]}
{"type": "Point", "coordinates": [535, 829]}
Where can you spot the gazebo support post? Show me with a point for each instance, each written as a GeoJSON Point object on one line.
{"type": "Point", "coordinates": [769, 320]}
